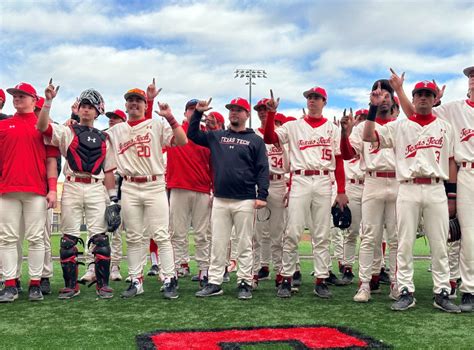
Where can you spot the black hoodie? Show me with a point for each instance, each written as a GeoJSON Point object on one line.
{"type": "Point", "coordinates": [239, 161]}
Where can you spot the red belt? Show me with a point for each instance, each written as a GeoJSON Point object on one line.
{"type": "Point", "coordinates": [84, 180]}
{"type": "Point", "coordinates": [467, 165]}
{"type": "Point", "coordinates": [311, 172]}
{"type": "Point", "coordinates": [386, 174]}
{"type": "Point", "coordinates": [276, 177]}
{"type": "Point", "coordinates": [141, 179]}
{"type": "Point", "coordinates": [424, 180]}
{"type": "Point", "coordinates": [354, 181]}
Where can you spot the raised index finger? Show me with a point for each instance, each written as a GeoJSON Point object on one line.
{"type": "Point", "coordinates": [271, 94]}
{"type": "Point", "coordinates": [392, 71]}
{"type": "Point", "coordinates": [50, 81]}
{"type": "Point", "coordinates": [209, 101]}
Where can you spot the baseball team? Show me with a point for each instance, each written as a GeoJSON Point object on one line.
{"type": "Point", "coordinates": [248, 195]}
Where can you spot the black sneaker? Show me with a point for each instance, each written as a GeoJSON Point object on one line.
{"type": "Point", "coordinates": [264, 273]}
{"type": "Point", "coordinates": [375, 287]}
{"type": "Point", "coordinates": [210, 290]}
{"type": "Point", "coordinates": [195, 278]}
{"type": "Point", "coordinates": [322, 291]}
{"type": "Point", "coordinates": [333, 280]}
{"type": "Point", "coordinates": [245, 291]}
{"type": "Point", "coordinates": [45, 286]}
{"type": "Point", "coordinates": [348, 276]}
{"type": "Point", "coordinates": [384, 277]}
{"type": "Point", "coordinates": [135, 288]}
{"type": "Point", "coordinates": [154, 270]}
{"type": "Point", "coordinates": [68, 293]}
{"type": "Point", "coordinates": [171, 289]}
{"type": "Point", "coordinates": [203, 282]}
{"type": "Point", "coordinates": [442, 302]}
{"type": "Point", "coordinates": [405, 301]}
{"type": "Point", "coordinates": [105, 292]}
{"type": "Point", "coordinates": [297, 279]}
{"type": "Point", "coordinates": [8, 295]}
{"type": "Point", "coordinates": [466, 302]}
{"type": "Point", "coordinates": [34, 293]}
{"type": "Point", "coordinates": [284, 290]}
{"type": "Point", "coordinates": [18, 285]}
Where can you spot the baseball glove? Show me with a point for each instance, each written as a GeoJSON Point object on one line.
{"type": "Point", "coordinates": [454, 230]}
{"type": "Point", "coordinates": [341, 218]}
{"type": "Point", "coordinates": [112, 217]}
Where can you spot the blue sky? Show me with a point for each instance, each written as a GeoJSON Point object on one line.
{"type": "Point", "coordinates": [193, 47]}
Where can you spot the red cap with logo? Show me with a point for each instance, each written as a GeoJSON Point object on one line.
{"type": "Point", "coordinates": [117, 113]}
{"type": "Point", "coordinates": [39, 102]}
{"type": "Point", "coordinates": [319, 91]}
{"type": "Point", "coordinates": [279, 117]}
{"type": "Point", "coordinates": [23, 88]}
{"type": "Point", "coordinates": [361, 112]}
{"type": "Point", "coordinates": [239, 102]}
{"type": "Point", "coordinates": [425, 85]}
{"type": "Point", "coordinates": [135, 92]}
{"type": "Point", "coordinates": [219, 118]}
{"type": "Point", "coordinates": [262, 102]}
{"type": "Point", "coordinates": [2, 95]}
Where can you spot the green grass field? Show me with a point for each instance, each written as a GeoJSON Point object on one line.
{"type": "Point", "coordinates": [88, 323]}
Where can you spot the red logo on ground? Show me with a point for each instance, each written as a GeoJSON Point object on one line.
{"type": "Point", "coordinates": [298, 337]}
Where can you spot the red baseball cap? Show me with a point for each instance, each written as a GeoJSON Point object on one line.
{"type": "Point", "coordinates": [290, 119]}
{"type": "Point", "coordinates": [425, 85]}
{"type": "Point", "coordinates": [23, 88]}
{"type": "Point", "coordinates": [262, 102]}
{"type": "Point", "coordinates": [468, 71]}
{"type": "Point", "coordinates": [2, 95]}
{"type": "Point", "coordinates": [319, 91]}
{"type": "Point", "coordinates": [279, 117]}
{"type": "Point", "coordinates": [362, 111]}
{"type": "Point", "coordinates": [39, 102]}
{"type": "Point", "coordinates": [239, 102]}
{"type": "Point", "coordinates": [135, 92]}
{"type": "Point", "coordinates": [118, 113]}
{"type": "Point", "coordinates": [218, 116]}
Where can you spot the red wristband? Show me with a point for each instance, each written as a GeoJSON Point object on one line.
{"type": "Point", "coordinates": [52, 184]}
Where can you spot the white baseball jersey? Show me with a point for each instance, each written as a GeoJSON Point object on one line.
{"type": "Point", "coordinates": [138, 149]}
{"type": "Point", "coordinates": [420, 151]}
{"type": "Point", "coordinates": [461, 117]}
{"type": "Point", "coordinates": [62, 138]}
{"type": "Point", "coordinates": [277, 157]}
{"type": "Point", "coordinates": [373, 158]}
{"type": "Point", "coordinates": [310, 148]}
{"type": "Point", "coordinates": [353, 170]}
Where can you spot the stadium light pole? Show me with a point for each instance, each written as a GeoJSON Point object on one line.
{"type": "Point", "coordinates": [250, 74]}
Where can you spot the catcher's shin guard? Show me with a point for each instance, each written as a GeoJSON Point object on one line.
{"type": "Point", "coordinates": [68, 254]}
{"type": "Point", "coordinates": [101, 253]}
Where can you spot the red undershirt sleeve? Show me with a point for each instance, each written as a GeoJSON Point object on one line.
{"type": "Point", "coordinates": [149, 109]}
{"type": "Point", "coordinates": [270, 137]}
{"type": "Point", "coordinates": [347, 151]}
{"type": "Point", "coordinates": [49, 131]}
{"type": "Point", "coordinates": [340, 175]}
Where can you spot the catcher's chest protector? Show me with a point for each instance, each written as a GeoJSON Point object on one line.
{"type": "Point", "coordinates": [86, 153]}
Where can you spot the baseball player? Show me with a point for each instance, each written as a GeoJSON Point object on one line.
{"type": "Point", "coordinates": [460, 115]}
{"type": "Point", "coordinates": [2, 103]}
{"type": "Point", "coordinates": [137, 148]}
{"type": "Point", "coordinates": [378, 198]}
{"type": "Point", "coordinates": [240, 174]}
{"type": "Point", "coordinates": [23, 192]}
{"type": "Point", "coordinates": [87, 164]}
{"type": "Point", "coordinates": [313, 154]}
{"type": "Point", "coordinates": [269, 233]}
{"type": "Point", "coordinates": [424, 145]}
{"type": "Point", "coordinates": [354, 189]}
{"type": "Point", "coordinates": [115, 117]}
{"type": "Point", "coordinates": [188, 178]}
